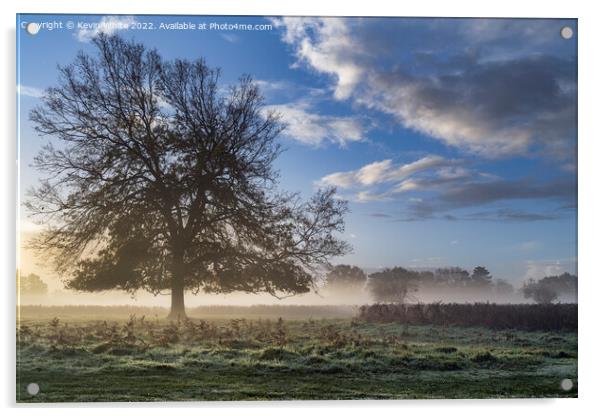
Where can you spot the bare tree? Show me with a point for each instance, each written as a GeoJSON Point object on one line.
{"type": "Point", "coordinates": [163, 181]}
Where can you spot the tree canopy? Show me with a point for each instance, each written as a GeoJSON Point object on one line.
{"type": "Point", "coordinates": [393, 285]}
{"type": "Point", "coordinates": [481, 277]}
{"type": "Point", "coordinates": [32, 284]}
{"type": "Point", "coordinates": [163, 179]}
{"type": "Point", "coordinates": [345, 278]}
{"type": "Point", "coordinates": [550, 288]}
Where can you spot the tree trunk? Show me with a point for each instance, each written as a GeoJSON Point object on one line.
{"type": "Point", "coordinates": [177, 303]}
{"type": "Point", "coordinates": [178, 310]}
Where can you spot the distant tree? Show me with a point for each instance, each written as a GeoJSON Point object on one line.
{"type": "Point", "coordinates": [564, 284]}
{"type": "Point", "coordinates": [481, 278]}
{"type": "Point", "coordinates": [393, 285]}
{"type": "Point", "coordinates": [502, 287]}
{"type": "Point", "coordinates": [550, 288]}
{"type": "Point", "coordinates": [452, 277]}
{"type": "Point", "coordinates": [345, 278]}
{"type": "Point", "coordinates": [427, 278]}
{"type": "Point", "coordinates": [32, 284]}
{"type": "Point", "coordinates": [163, 180]}
{"type": "Point", "coordinates": [540, 293]}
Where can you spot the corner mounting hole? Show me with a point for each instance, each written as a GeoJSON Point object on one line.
{"type": "Point", "coordinates": [33, 389]}
{"type": "Point", "coordinates": [566, 32]}
{"type": "Point", "coordinates": [32, 28]}
{"type": "Point", "coordinates": [566, 384]}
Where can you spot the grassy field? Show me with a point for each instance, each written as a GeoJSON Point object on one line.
{"type": "Point", "coordinates": [145, 358]}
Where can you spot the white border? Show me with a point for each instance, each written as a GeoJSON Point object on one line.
{"type": "Point", "coordinates": [590, 206]}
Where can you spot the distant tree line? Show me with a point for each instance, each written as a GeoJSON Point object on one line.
{"type": "Point", "coordinates": [398, 284]}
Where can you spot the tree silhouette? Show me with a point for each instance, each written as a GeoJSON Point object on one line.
{"type": "Point", "coordinates": [452, 277]}
{"type": "Point", "coordinates": [564, 284]}
{"type": "Point", "coordinates": [540, 293]}
{"type": "Point", "coordinates": [550, 288]}
{"type": "Point", "coordinates": [163, 180]}
{"type": "Point", "coordinates": [393, 285]}
{"type": "Point", "coordinates": [346, 279]}
{"type": "Point", "coordinates": [481, 277]}
{"type": "Point", "coordinates": [32, 284]}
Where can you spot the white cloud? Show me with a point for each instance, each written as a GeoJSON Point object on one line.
{"type": "Point", "coordinates": [339, 179]}
{"type": "Point", "coordinates": [312, 128]}
{"type": "Point", "coordinates": [467, 100]}
{"type": "Point", "coordinates": [107, 25]}
{"type": "Point", "coordinates": [425, 163]}
{"type": "Point", "coordinates": [367, 196]}
{"type": "Point", "coordinates": [428, 107]}
{"type": "Point", "coordinates": [432, 187]}
{"type": "Point", "coordinates": [326, 45]}
{"type": "Point", "coordinates": [265, 85]}
{"type": "Point", "coordinates": [374, 172]}
{"type": "Point", "coordinates": [407, 185]}
{"type": "Point", "coordinates": [384, 171]}
{"type": "Point", "coordinates": [453, 172]}
{"type": "Point", "coordinates": [27, 91]}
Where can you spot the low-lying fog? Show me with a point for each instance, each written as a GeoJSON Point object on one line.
{"type": "Point", "coordinates": [323, 297]}
{"type": "Point", "coordinates": [57, 295]}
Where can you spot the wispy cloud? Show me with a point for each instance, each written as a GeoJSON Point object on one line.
{"type": "Point", "coordinates": [450, 200]}
{"type": "Point", "coordinates": [384, 171]}
{"type": "Point", "coordinates": [434, 187]}
{"type": "Point", "coordinates": [27, 91]}
{"type": "Point", "coordinates": [272, 85]}
{"type": "Point", "coordinates": [510, 215]}
{"type": "Point", "coordinates": [107, 25]}
{"type": "Point", "coordinates": [326, 45]}
{"type": "Point", "coordinates": [306, 125]}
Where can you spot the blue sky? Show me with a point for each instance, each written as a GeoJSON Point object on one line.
{"type": "Point", "coordinates": [453, 139]}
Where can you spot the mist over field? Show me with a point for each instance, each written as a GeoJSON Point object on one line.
{"type": "Point", "coordinates": [322, 295]}
{"type": "Point", "coordinates": [108, 298]}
